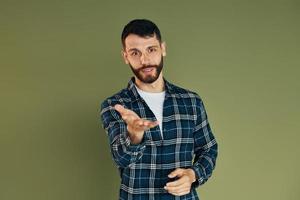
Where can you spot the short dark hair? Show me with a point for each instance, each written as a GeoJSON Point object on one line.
{"type": "Point", "coordinates": [142, 28]}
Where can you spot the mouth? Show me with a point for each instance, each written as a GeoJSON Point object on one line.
{"type": "Point", "coordinates": [148, 70]}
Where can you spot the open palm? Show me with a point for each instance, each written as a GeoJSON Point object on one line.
{"type": "Point", "coordinates": [135, 125]}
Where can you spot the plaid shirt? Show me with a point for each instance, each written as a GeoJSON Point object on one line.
{"type": "Point", "coordinates": [186, 142]}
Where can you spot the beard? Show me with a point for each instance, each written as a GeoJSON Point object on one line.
{"type": "Point", "coordinates": [150, 78]}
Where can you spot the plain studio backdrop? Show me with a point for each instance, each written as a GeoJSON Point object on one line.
{"type": "Point", "coordinates": [60, 59]}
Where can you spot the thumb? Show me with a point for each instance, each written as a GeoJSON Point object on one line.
{"type": "Point", "coordinates": [177, 172]}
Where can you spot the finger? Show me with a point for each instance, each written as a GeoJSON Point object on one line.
{"type": "Point", "coordinates": [153, 124]}
{"type": "Point", "coordinates": [150, 124]}
{"type": "Point", "coordinates": [120, 109]}
{"type": "Point", "coordinates": [145, 123]}
{"type": "Point", "coordinates": [128, 117]}
{"type": "Point", "coordinates": [177, 189]}
{"type": "Point", "coordinates": [177, 172]}
{"type": "Point", "coordinates": [131, 119]}
{"type": "Point", "coordinates": [180, 193]}
{"type": "Point", "coordinates": [141, 123]}
{"type": "Point", "coordinates": [177, 182]}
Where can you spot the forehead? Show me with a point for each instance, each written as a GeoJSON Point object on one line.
{"type": "Point", "coordinates": [135, 41]}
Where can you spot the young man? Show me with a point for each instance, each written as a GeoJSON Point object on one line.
{"type": "Point", "coordinates": [159, 135]}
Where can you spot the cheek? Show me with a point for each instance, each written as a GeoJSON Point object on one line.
{"type": "Point", "coordinates": [158, 59]}
{"type": "Point", "coordinates": [135, 65]}
{"type": "Point", "coordinates": [132, 62]}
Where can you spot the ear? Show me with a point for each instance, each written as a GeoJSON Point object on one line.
{"type": "Point", "coordinates": [124, 55]}
{"type": "Point", "coordinates": [164, 49]}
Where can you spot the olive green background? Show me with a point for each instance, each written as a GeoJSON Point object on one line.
{"type": "Point", "coordinates": [60, 59]}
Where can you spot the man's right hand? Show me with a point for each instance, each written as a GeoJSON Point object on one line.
{"type": "Point", "coordinates": [135, 125]}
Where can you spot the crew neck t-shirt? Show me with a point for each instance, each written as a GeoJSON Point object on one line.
{"type": "Point", "coordinates": [155, 101]}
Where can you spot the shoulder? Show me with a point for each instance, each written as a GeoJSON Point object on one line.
{"type": "Point", "coordinates": [181, 92]}
{"type": "Point", "coordinates": [121, 97]}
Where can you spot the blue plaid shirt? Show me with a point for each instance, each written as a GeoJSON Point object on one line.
{"type": "Point", "coordinates": [186, 142]}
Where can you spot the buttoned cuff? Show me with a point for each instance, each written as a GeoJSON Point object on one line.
{"type": "Point", "coordinates": [199, 179]}
{"type": "Point", "coordinates": [134, 149]}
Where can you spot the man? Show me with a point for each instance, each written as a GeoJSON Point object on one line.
{"type": "Point", "coordinates": [159, 135]}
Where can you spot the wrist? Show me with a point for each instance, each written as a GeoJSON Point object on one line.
{"type": "Point", "coordinates": [192, 175]}
{"type": "Point", "coordinates": [134, 137]}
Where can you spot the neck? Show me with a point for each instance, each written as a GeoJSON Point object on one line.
{"type": "Point", "coordinates": [156, 86]}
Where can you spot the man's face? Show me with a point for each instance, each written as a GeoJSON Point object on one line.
{"type": "Point", "coordinates": [144, 56]}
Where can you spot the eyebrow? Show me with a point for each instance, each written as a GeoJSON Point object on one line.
{"type": "Point", "coordinates": [135, 49]}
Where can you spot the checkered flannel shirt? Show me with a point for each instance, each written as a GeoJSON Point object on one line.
{"type": "Point", "coordinates": [185, 142]}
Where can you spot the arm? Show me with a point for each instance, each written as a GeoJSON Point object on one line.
{"type": "Point", "coordinates": [123, 151]}
{"type": "Point", "coordinates": [206, 147]}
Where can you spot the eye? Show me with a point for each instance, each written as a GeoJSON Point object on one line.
{"type": "Point", "coordinates": [151, 50]}
{"type": "Point", "coordinates": [134, 53]}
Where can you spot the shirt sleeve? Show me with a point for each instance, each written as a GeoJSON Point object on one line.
{"type": "Point", "coordinates": [124, 153]}
{"type": "Point", "coordinates": [205, 148]}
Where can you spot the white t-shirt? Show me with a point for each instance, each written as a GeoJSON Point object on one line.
{"type": "Point", "coordinates": [155, 101]}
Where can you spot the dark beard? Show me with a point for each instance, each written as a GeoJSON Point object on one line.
{"type": "Point", "coordinates": [148, 79]}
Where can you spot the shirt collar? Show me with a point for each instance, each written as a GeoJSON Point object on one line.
{"type": "Point", "coordinates": [169, 88]}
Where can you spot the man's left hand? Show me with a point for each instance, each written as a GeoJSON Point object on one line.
{"type": "Point", "coordinates": [182, 185]}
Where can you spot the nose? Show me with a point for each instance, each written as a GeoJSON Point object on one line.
{"type": "Point", "coordinates": [145, 59]}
